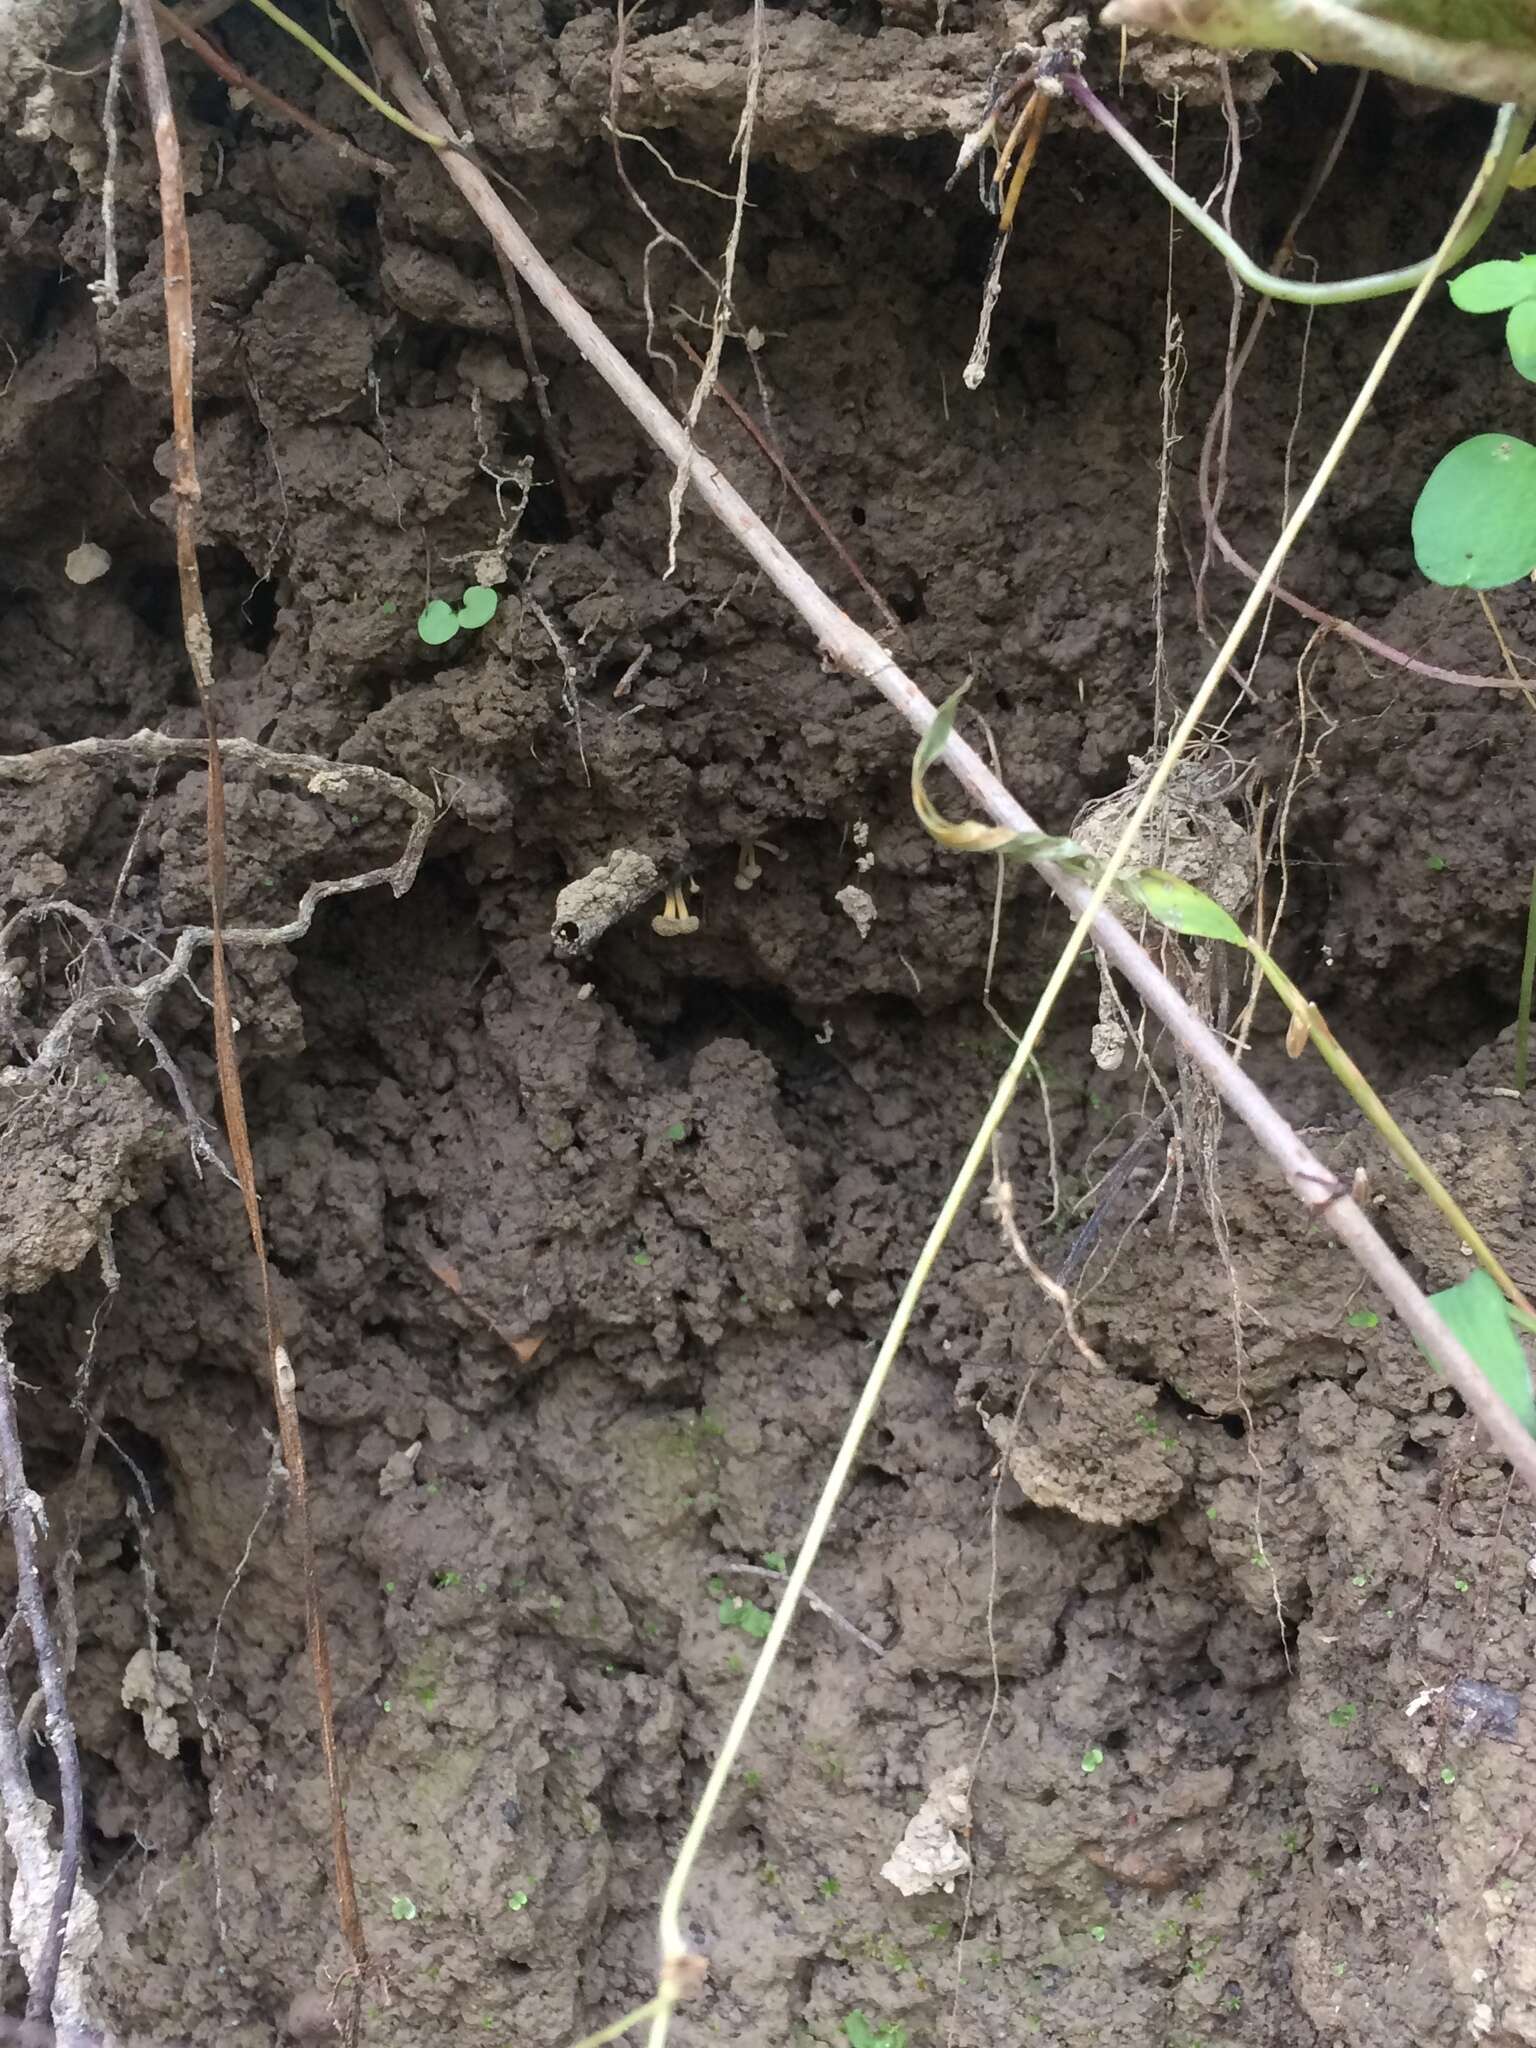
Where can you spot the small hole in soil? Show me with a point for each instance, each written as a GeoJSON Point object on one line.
{"type": "Point", "coordinates": [140, 1464]}
{"type": "Point", "coordinates": [258, 616]}
{"type": "Point", "coordinates": [905, 593]}
{"type": "Point", "coordinates": [189, 1754]}
{"type": "Point", "coordinates": [150, 592]}
{"type": "Point", "coordinates": [1045, 1798]}
{"type": "Point", "coordinates": [857, 514]}
{"type": "Point", "coordinates": [1416, 1453]}
{"type": "Point", "coordinates": [1235, 1426]}
{"type": "Point", "coordinates": [1339, 1853]}
{"type": "Point", "coordinates": [1115, 1739]}
{"type": "Point", "coordinates": [568, 932]}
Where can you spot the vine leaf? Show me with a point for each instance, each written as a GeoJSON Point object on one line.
{"type": "Point", "coordinates": [1475, 1311]}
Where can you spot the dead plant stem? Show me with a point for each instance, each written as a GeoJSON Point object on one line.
{"type": "Point", "coordinates": [24, 1514]}
{"type": "Point", "coordinates": [199, 643]}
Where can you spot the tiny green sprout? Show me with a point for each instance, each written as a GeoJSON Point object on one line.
{"type": "Point", "coordinates": [386, 1706]}
{"type": "Point", "coordinates": [1363, 1319]}
{"type": "Point", "coordinates": [1361, 1579]}
{"type": "Point", "coordinates": [1462, 1585]}
{"type": "Point", "coordinates": [640, 1258]}
{"type": "Point", "coordinates": [752, 1620]}
{"type": "Point", "coordinates": [1260, 1560]}
{"type": "Point", "coordinates": [1344, 1716]}
{"type": "Point", "coordinates": [828, 1887]}
{"type": "Point", "coordinates": [516, 1901]}
{"type": "Point", "coordinates": [1447, 1775]}
{"type": "Point", "coordinates": [1373, 1789]}
{"type": "Point", "coordinates": [1435, 863]}
{"type": "Point", "coordinates": [402, 1907]}
{"type": "Point", "coordinates": [676, 1133]}
{"type": "Point", "coordinates": [863, 2033]}
{"type": "Point", "coordinates": [1097, 1933]}
{"type": "Point", "coordinates": [1092, 1758]}
{"type": "Point", "coordinates": [389, 1585]}
{"type": "Point", "coordinates": [439, 622]}
{"type": "Point", "coordinates": [774, 1559]}
{"type": "Point", "coordinates": [389, 608]}
{"type": "Point", "coordinates": [752, 1781]}
{"type": "Point", "coordinates": [1507, 288]}
{"type": "Point", "coordinates": [444, 1579]}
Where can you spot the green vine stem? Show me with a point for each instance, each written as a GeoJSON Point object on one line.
{"type": "Point", "coordinates": [1511, 130]}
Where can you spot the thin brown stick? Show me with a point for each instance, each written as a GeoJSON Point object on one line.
{"type": "Point", "coordinates": [172, 24]}
{"type": "Point", "coordinates": [436, 70]}
{"type": "Point", "coordinates": [539, 384]}
{"type": "Point", "coordinates": [199, 643]}
{"type": "Point", "coordinates": [848, 646]}
{"type": "Point", "coordinates": [793, 484]}
{"type": "Point", "coordinates": [22, 1510]}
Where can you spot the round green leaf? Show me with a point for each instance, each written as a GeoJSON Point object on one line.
{"type": "Point", "coordinates": [1474, 527]}
{"type": "Point", "coordinates": [437, 623]}
{"type": "Point", "coordinates": [1520, 334]}
{"type": "Point", "coordinates": [1494, 287]}
{"type": "Point", "coordinates": [478, 608]}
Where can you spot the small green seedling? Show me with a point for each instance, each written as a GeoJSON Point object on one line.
{"type": "Point", "coordinates": [863, 2033]}
{"type": "Point", "coordinates": [1447, 1775]}
{"type": "Point", "coordinates": [746, 1615]}
{"type": "Point", "coordinates": [1510, 289]}
{"type": "Point", "coordinates": [1363, 1319]}
{"type": "Point", "coordinates": [439, 622]}
{"type": "Point", "coordinates": [402, 1907]}
{"type": "Point", "coordinates": [516, 1901]}
{"type": "Point", "coordinates": [1092, 1758]}
{"type": "Point", "coordinates": [1474, 526]}
{"type": "Point", "coordinates": [1344, 1716]}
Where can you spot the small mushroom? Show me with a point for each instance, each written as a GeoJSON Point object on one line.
{"type": "Point", "coordinates": [676, 920]}
{"type": "Point", "coordinates": [748, 866]}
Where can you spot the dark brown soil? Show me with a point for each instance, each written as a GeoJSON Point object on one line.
{"type": "Point", "coordinates": [582, 1260]}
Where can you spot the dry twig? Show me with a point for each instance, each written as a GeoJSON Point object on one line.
{"type": "Point", "coordinates": [199, 643]}
{"type": "Point", "coordinates": [320, 776]}
{"type": "Point", "coordinates": [24, 1514]}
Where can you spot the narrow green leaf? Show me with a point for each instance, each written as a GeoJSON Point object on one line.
{"type": "Point", "coordinates": [936, 738]}
{"type": "Point", "coordinates": [1180, 906]}
{"type": "Point", "coordinates": [1475, 1311]}
{"type": "Point", "coordinates": [969, 835]}
{"type": "Point", "coordinates": [478, 608]}
{"type": "Point", "coordinates": [1494, 287]}
{"type": "Point", "coordinates": [1474, 526]}
{"type": "Point", "coordinates": [437, 623]}
{"type": "Point", "coordinates": [1520, 336]}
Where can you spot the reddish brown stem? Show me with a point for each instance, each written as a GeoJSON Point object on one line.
{"type": "Point", "coordinates": [187, 492]}
{"type": "Point", "coordinates": [745, 419]}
